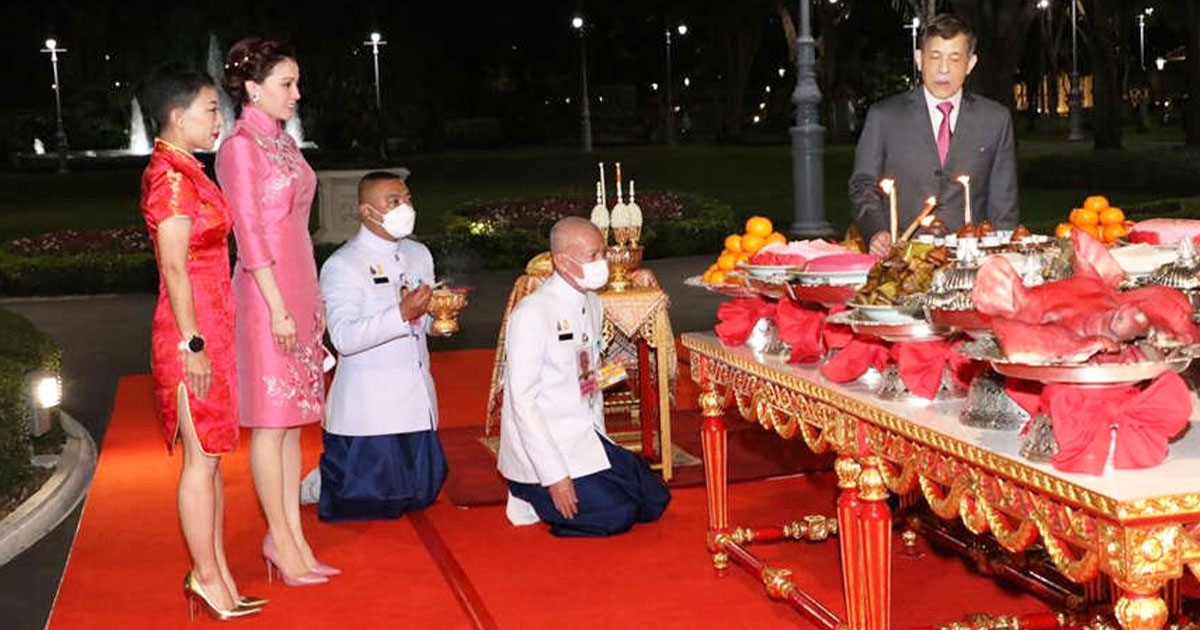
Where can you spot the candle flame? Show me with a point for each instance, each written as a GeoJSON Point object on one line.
{"type": "Point", "coordinates": [932, 201]}
{"type": "Point", "coordinates": [887, 184]}
{"type": "Point", "coordinates": [963, 179]}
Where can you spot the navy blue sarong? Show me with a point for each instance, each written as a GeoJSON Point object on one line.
{"type": "Point", "coordinates": [610, 501]}
{"type": "Point", "coordinates": [379, 476]}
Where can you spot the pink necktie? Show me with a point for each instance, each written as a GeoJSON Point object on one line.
{"type": "Point", "coordinates": [943, 138]}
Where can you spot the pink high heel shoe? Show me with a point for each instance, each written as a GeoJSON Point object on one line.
{"type": "Point", "coordinates": [324, 569]}
{"type": "Point", "coordinates": [308, 579]}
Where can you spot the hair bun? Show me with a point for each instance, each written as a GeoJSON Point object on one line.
{"type": "Point", "coordinates": [251, 59]}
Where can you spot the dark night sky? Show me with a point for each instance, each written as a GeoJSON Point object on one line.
{"type": "Point", "coordinates": [437, 42]}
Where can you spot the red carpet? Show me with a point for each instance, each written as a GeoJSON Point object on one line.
{"type": "Point", "coordinates": [460, 568]}
{"type": "Point", "coordinates": [754, 453]}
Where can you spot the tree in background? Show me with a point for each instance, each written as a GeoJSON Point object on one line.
{"type": "Point", "coordinates": [1103, 21]}
{"type": "Point", "coordinates": [1192, 54]}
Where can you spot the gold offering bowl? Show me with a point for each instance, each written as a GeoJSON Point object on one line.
{"type": "Point", "coordinates": [445, 305]}
{"type": "Point", "coordinates": [622, 261]}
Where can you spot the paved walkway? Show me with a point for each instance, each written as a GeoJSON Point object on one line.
{"type": "Point", "coordinates": [105, 337]}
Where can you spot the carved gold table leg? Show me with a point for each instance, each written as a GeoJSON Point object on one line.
{"type": "Point", "coordinates": [848, 507]}
{"type": "Point", "coordinates": [875, 530]}
{"type": "Point", "coordinates": [1139, 610]}
{"type": "Point", "coordinates": [714, 445]}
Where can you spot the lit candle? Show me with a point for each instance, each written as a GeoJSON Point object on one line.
{"type": "Point", "coordinates": [965, 180]}
{"type": "Point", "coordinates": [603, 187]}
{"type": "Point", "coordinates": [888, 185]}
{"type": "Point", "coordinates": [925, 212]}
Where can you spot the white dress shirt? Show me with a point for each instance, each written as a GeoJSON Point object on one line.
{"type": "Point", "coordinates": [383, 384]}
{"type": "Point", "coordinates": [935, 115]}
{"type": "Point", "coordinates": [549, 430]}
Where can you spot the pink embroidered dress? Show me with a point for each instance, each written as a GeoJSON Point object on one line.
{"type": "Point", "coordinates": [270, 189]}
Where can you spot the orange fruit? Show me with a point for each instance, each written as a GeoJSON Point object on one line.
{"type": "Point", "coordinates": [760, 226]}
{"type": "Point", "coordinates": [712, 267]}
{"type": "Point", "coordinates": [1092, 229]}
{"type": "Point", "coordinates": [742, 257]}
{"type": "Point", "coordinates": [1085, 216]}
{"type": "Point", "coordinates": [1063, 230]}
{"type": "Point", "coordinates": [1095, 202]}
{"type": "Point", "coordinates": [776, 237]}
{"type": "Point", "coordinates": [751, 243]}
{"type": "Point", "coordinates": [706, 277]}
{"type": "Point", "coordinates": [717, 277]}
{"type": "Point", "coordinates": [733, 243]}
{"type": "Point", "coordinates": [1113, 232]}
{"type": "Point", "coordinates": [1112, 216]}
{"type": "Point", "coordinates": [727, 262]}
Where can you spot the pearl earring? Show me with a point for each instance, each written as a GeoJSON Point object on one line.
{"type": "Point", "coordinates": [254, 97]}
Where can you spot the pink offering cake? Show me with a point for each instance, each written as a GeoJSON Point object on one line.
{"type": "Point", "coordinates": [795, 253]}
{"type": "Point", "coordinates": [1165, 231]}
{"type": "Point", "coordinates": [841, 263]}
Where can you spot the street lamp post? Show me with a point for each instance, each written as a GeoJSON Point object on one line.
{"type": "Point", "coordinates": [1144, 103]}
{"type": "Point", "coordinates": [682, 29]}
{"type": "Point", "coordinates": [61, 134]}
{"type": "Point", "coordinates": [585, 112]}
{"type": "Point", "coordinates": [915, 27]}
{"type": "Point", "coordinates": [1075, 97]}
{"type": "Point", "coordinates": [808, 139]}
{"type": "Point", "coordinates": [375, 42]}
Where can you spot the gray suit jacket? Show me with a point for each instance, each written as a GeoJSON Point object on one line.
{"type": "Point", "coordinates": [898, 142]}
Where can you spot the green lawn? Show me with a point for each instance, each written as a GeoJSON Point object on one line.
{"type": "Point", "coordinates": [754, 180]}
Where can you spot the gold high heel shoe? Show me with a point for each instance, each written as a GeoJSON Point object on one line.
{"type": "Point", "coordinates": [191, 590]}
{"type": "Point", "coordinates": [250, 601]}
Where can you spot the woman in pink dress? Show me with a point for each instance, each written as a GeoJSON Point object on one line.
{"type": "Point", "coordinates": [279, 314]}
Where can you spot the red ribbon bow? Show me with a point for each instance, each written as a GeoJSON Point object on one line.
{"type": "Point", "coordinates": [1145, 420]}
{"type": "Point", "coordinates": [859, 355]}
{"type": "Point", "coordinates": [803, 329]}
{"type": "Point", "coordinates": [738, 318]}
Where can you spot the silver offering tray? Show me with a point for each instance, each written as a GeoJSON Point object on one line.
{"type": "Point", "coordinates": [1097, 374]}
{"type": "Point", "coordinates": [731, 290]}
{"type": "Point", "coordinates": [968, 320]}
{"type": "Point", "coordinates": [910, 330]}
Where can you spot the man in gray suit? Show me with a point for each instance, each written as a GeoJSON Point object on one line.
{"type": "Point", "coordinates": [927, 138]}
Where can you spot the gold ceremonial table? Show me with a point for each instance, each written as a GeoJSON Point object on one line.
{"type": "Point", "coordinates": [1139, 527]}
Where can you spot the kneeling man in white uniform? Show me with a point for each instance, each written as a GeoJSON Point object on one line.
{"type": "Point", "coordinates": [560, 465]}
{"type": "Point", "coordinates": [382, 456]}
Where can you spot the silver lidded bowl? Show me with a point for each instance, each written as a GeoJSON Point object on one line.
{"type": "Point", "coordinates": [1184, 273]}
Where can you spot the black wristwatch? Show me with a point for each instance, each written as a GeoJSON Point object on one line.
{"type": "Point", "coordinates": [193, 344]}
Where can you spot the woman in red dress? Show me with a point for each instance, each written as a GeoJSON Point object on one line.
{"type": "Point", "coordinates": [192, 353]}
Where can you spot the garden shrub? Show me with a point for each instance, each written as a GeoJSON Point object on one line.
{"type": "Point", "coordinates": [24, 350]}
{"type": "Point", "coordinates": [505, 234]}
{"type": "Point", "coordinates": [1165, 171]}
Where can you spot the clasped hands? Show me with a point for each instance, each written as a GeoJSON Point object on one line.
{"type": "Point", "coordinates": [414, 302]}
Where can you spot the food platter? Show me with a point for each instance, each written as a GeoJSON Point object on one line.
{"type": "Point", "coordinates": [886, 313]}
{"type": "Point", "coordinates": [969, 320]}
{"type": "Point", "coordinates": [912, 330]}
{"type": "Point", "coordinates": [831, 278]}
{"type": "Point", "coordinates": [731, 290]}
{"type": "Point", "coordinates": [828, 294]}
{"type": "Point", "coordinates": [770, 272]}
{"type": "Point", "coordinates": [1097, 374]}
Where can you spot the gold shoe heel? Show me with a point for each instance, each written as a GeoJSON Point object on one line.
{"type": "Point", "coordinates": [250, 601]}
{"type": "Point", "coordinates": [198, 598]}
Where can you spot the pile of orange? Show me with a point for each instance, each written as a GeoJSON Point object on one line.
{"type": "Point", "coordinates": [740, 247]}
{"type": "Point", "coordinates": [1103, 221]}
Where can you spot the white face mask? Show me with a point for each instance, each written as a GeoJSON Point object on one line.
{"type": "Point", "coordinates": [399, 222]}
{"type": "Point", "coordinates": [595, 274]}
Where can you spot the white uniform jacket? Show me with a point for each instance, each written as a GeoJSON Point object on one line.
{"type": "Point", "coordinates": [548, 429]}
{"type": "Point", "coordinates": [382, 385]}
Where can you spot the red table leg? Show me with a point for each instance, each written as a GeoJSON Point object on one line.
{"type": "Point", "coordinates": [1141, 609]}
{"type": "Point", "coordinates": [647, 400]}
{"type": "Point", "coordinates": [848, 507]}
{"type": "Point", "coordinates": [875, 530]}
{"type": "Point", "coordinates": [713, 441]}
